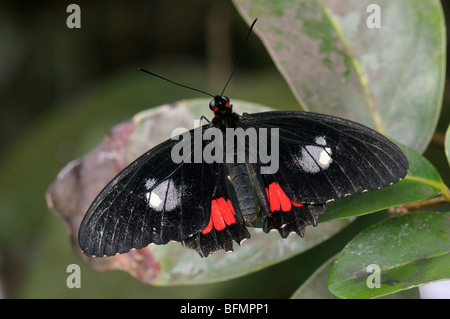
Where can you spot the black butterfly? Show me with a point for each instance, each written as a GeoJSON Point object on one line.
{"type": "Point", "coordinates": [206, 205]}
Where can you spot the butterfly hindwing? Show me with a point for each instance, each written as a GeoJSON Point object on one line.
{"type": "Point", "coordinates": [286, 215]}
{"type": "Point", "coordinates": [226, 223]}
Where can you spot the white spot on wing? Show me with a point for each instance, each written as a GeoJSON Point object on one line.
{"type": "Point", "coordinates": [150, 182]}
{"type": "Point", "coordinates": [315, 158]}
{"type": "Point", "coordinates": [164, 196]}
{"type": "Point", "coordinates": [155, 200]}
{"type": "Point", "coordinates": [325, 158]}
{"type": "Point", "coordinates": [320, 140]}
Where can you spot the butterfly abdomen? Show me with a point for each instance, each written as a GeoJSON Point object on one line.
{"type": "Point", "coordinates": [243, 187]}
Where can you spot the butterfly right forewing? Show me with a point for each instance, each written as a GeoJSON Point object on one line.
{"type": "Point", "coordinates": [153, 200]}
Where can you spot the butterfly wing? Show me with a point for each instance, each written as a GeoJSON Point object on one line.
{"type": "Point", "coordinates": [156, 199]}
{"type": "Point", "coordinates": [153, 200]}
{"type": "Point", "coordinates": [318, 158]}
{"type": "Point", "coordinates": [323, 158]}
{"type": "Point", "coordinates": [226, 222]}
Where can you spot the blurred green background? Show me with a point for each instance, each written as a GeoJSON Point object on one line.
{"type": "Point", "coordinates": [62, 89]}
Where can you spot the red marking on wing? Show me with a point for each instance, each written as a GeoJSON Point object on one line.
{"type": "Point", "coordinates": [222, 213]}
{"type": "Point", "coordinates": [296, 204]}
{"type": "Point", "coordinates": [208, 228]}
{"type": "Point", "coordinates": [278, 200]}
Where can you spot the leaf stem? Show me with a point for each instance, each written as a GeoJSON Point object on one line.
{"type": "Point", "coordinates": [404, 209]}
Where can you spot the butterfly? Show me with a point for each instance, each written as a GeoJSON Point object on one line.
{"type": "Point", "coordinates": [203, 188]}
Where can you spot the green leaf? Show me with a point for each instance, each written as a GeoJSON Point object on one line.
{"type": "Point", "coordinates": [315, 287]}
{"type": "Point", "coordinates": [410, 250]}
{"type": "Point", "coordinates": [390, 78]}
{"type": "Point", "coordinates": [421, 182]}
{"type": "Point", "coordinates": [182, 267]}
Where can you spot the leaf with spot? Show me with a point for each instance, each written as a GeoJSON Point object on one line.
{"type": "Point", "coordinates": [410, 250]}
{"type": "Point", "coordinates": [315, 287]}
{"type": "Point", "coordinates": [389, 78]}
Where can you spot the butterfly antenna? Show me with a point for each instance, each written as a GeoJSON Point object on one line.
{"type": "Point", "coordinates": [240, 56]}
{"type": "Point", "coordinates": [182, 85]}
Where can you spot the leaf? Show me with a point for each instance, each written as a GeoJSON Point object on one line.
{"type": "Point", "coordinates": [410, 250]}
{"type": "Point", "coordinates": [262, 250]}
{"type": "Point", "coordinates": [421, 182]}
{"type": "Point", "coordinates": [389, 78]}
{"type": "Point", "coordinates": [315, 287]}
{"type": "Point", "coordinates": [80, 181]}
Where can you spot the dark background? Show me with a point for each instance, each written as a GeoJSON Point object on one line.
{"type": "Point", "coordinates": [49, 77]}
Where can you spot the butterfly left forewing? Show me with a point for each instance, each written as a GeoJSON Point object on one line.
{"type": "Point", "coordinates": [323, 158]}
{"type": "Point", "coordinates": [319, 159]}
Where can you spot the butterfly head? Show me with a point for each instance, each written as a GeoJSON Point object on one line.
{"type": "Point", "coordinates": [220, 105]}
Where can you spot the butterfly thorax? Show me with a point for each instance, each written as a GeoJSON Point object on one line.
{"type": "Point", "coordinates": [224, 117]}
